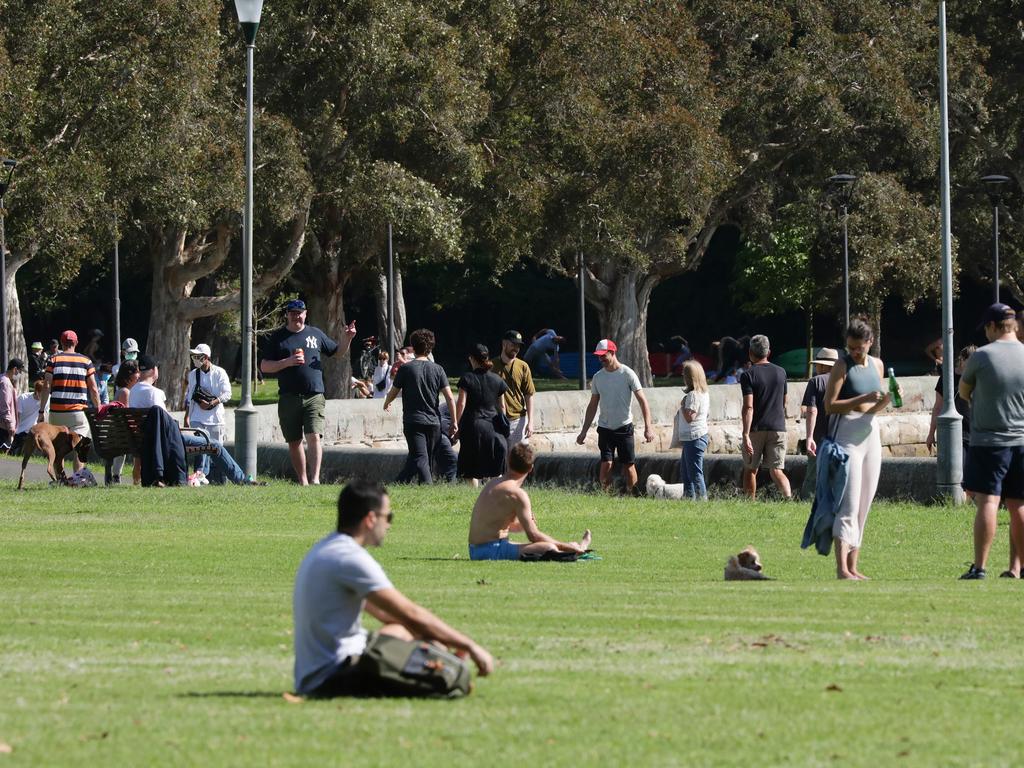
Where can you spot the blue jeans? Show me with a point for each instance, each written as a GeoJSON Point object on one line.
{"type": "Point", "coordinates": [691, 468]}
{"type": "Point", "coordinates": [225, 468]}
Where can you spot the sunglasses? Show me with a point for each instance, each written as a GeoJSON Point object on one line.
{"type": "Point", "coordinates": [390, 517]}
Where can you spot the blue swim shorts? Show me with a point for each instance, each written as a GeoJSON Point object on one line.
{"type": "Point", "coordinates": [501, 549]}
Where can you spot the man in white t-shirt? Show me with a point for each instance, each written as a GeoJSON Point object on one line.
{"type": "Point", "coordinates": [207, 389]}
{"type": "Point", "coordinates": [613, 387]}
{"type": "Point", "coordinates": [338, 580]}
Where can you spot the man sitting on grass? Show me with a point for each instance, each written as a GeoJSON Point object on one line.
{"type": "Point", "coordinates": [337, 581]}
{"type": "Point", "coordinates": [504, 506]}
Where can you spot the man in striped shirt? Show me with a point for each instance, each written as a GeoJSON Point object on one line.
{"type": "Point", "coordinates": [70, 387]}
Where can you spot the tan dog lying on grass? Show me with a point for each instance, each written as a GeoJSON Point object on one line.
{"type": "Point", "coordinates": [746, 566]}
{"type": "Point", "coordinates": [54, 443]}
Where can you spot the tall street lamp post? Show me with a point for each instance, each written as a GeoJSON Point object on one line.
{"type": "Point", "coordinates": [117, 291]}
{"type": "Point", "coordinates": [842, 184]}
{"type": "Point", "coordinates": [994, 186]}
{"type": "Point", "coordinates": [246, 416]}
{"type": "Point", "coordinates": [949, 426]}
{"type": "Point", "coordinates": [5, 182]}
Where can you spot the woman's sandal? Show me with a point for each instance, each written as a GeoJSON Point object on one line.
{"type": "Point", "coordinates": [1008, 575]}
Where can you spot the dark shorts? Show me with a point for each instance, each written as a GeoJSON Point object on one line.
{"type": "Point", "coordinates": [995, 471]}
{"type": "Point", "coordinates": [617, 441]}
{"type": "Point", "coordinates": [299, 415]}
{"type": "Point", "coordinates": [350, 679]}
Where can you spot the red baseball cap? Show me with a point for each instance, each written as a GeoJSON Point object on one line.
{"type": "Point", "coordinates": [69, 337]}
{"type": "Point", "coordinates": [605, 345]}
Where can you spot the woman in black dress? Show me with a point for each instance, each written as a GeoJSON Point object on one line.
{"type": "Point", "coordinates": [480, 402]}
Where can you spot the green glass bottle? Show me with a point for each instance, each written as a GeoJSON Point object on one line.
{"type": "Point", "coordinates": [894, 390]}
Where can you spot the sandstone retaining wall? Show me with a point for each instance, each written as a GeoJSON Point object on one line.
{"type": "Point", "coordinates": [559, 415]}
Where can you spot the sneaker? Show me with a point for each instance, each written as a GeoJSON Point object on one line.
{"type": "Point", "coordinates": [973, 573]}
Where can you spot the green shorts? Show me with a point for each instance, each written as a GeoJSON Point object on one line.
{"type": "Point", "coordinates": [299, 415]}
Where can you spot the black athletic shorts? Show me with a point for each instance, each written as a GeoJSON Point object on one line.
{"type": "Point", "coordinates": [995, 471]}
{"type": "Point", "coordinates": [617, 441]}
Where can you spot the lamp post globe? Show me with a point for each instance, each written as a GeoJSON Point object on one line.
{"type": "Point", "coordinates": [249, 12]}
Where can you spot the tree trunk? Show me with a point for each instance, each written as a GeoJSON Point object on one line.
{"type": "Point", "coordinates": [327, 312]}
{"type": "Point", "coordinates": [622, 299]}
{"type": "Point", "coordinates": [170, 330]}
{"type": "Point", "coordinates": [380, 292]}
{"type": "Point", "coordinates": [15, 329]}
{"type": "Point", "coordinates": [178, 262]}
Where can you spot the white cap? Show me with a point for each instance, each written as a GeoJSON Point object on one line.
{"type": "Point", "coordinates": [201, 349]}
{"type": "Point", "coordinates": [129, 345]}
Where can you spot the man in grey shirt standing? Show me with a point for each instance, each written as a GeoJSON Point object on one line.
{"type": "Point", "coordinates": [337, 580]}
{"type": "Point", "coordinates": [993, 383]}
{"type": "Point", "coordinates": [614, 387]}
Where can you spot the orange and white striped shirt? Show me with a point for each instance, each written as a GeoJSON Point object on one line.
{"type": "Point", "coordinates": [70, 371]}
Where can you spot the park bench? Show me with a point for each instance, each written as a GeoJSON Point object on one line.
{"type": "Point", "coordinates": [119, 431]}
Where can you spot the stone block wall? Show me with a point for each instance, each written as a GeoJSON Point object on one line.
{"type": "Point", "coordinates": [559, 415]}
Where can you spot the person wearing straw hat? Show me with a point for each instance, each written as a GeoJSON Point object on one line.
{"type": "Point", "coordinates": [36, 363]}
{"type": "Point", "coordinates": [813, 406]}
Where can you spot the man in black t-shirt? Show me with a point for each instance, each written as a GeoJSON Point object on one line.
{"type": "Point", "coordinates": [764, 419]}
{"type": "Point", "coordinates": [816, 420]}
{"type": "Point", "coordinates": [293, 353]}
{"type": "Point", "coordinates": [420, 382]}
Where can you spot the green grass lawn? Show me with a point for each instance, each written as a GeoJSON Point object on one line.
{"type": "Point", "coordinates": [142, 627]}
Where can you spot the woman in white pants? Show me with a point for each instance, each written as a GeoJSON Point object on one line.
{"type": "Point", "coordinates": [852, 398]}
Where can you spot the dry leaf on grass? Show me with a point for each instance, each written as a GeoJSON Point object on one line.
{"type": "Point", "coordinates": [834, 687]}
{"type": "Point", "coordinates": [5, 748]}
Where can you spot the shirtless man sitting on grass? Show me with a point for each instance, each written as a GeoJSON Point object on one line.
{"type": "Point", "coordinates": [504, 506]}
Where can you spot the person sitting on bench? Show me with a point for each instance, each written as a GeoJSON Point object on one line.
{"type": "Point", "coordinates": [504, 506]}
{"type": "Point", "coordinates": [145, 395]}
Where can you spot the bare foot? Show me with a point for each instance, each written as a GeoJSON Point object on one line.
{"type": "Point", "coordinates": [586, 539]}
{"type": "Point", "coordinates": [861, 576]}
{"type": "Point", "coordinates": [845, 576]}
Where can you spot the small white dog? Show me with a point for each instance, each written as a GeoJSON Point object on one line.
{"type": "Point", "coordinates": [657, 488]}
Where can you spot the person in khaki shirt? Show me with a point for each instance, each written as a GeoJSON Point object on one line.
{"type": "Point", "coordinates": [516, 374]}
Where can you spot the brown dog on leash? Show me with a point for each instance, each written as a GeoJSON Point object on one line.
{"type": "Point", "coordinates": [55, 443]}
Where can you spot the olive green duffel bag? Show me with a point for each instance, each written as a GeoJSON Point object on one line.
{"type": "Point", "coordinates": [413, 668]}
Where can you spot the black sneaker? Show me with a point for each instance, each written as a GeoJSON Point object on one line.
{"type": "Point", "coordinates": [973, 573]}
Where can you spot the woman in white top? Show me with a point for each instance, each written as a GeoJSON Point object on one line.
{"type": "Point", "coordinates": [695, 406]}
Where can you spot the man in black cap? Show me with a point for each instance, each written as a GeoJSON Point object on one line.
{"type": "Point", "coordinates": [293, 353]}
{"type": "Point", "coordinates": [993, 383]}
{"type": "Point", "coordinates": [519, 378]}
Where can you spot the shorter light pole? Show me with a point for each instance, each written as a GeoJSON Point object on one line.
{"type": "Point", "coordinates": [391, 297]}
{"type": "Point", "coordinates": [842, 185]}
{"type": "Point", "coordinates": [581, 268]}
{"type": "Point", "coordinates": [994, 186]}
{"type": "Point", "coordinates": [5, 183]}
{"type": "Point", "coordinates": [117, 291]}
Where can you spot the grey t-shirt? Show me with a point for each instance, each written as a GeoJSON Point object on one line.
{"type": "Point", "coordinates": [997, 403]}
{"type": "Point", "coordinates": [330, 591]}
{"type": "Point", "coordinates": [616, 389]}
